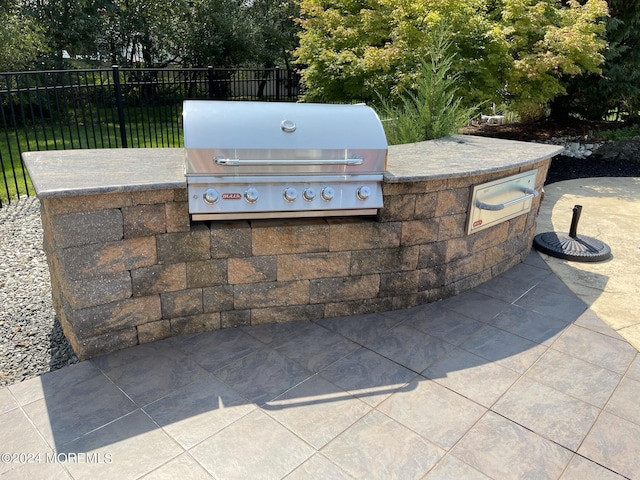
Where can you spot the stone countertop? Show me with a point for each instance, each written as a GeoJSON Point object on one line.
{"type": "Point", "coordinates": [62, 173]}
{"type": "Point", "coordinates": [461, 156]}
{"type": "Point", "coordinates": [86, 172]}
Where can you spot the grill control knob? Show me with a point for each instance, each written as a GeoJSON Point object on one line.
{"type": "Point", "coordinates": [363, 192]}
{"type": "Point", "coordinates": [309, 194]}
{"type": "Point", "coordinates": [290, 194]}
{"type": "Point", "coordinates": [210, 196]}
{"type": "Point", "coordinates": [328, 193]}
{"type": "Point", "coordinates": [251, 195]}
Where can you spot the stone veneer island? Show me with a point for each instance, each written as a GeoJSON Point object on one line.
{"type": "Point", "coordinates": [129, 267]}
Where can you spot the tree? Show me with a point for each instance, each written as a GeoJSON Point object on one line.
{"type": "Point", "coordinates": [22, 39]}
{"type": "Point", "coordinates": [68, 25]}
{"type": "Point", "coordinates": [220, 33]}
{"type": "Point", "coordinates": [512, 51]}
{"type": "Point", "coordinates": [549, 44]}
{"type": "Point", "coordinates": [277, 30]}
{"type": "Point", "coordinates": [617, 90]}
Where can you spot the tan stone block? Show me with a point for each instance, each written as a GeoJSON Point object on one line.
{"type": "Point", "coordinates": [182, 304]}
{"type": "Point", "coordinates": [332, 290]}
{"type": "Point", "coordinates": [180, 194]}
{"type": "Point", "coordinates": [235, 318]}
{"type": "Point", "coordinates": [313, 265]}
{"type": "Point", "coordinates": [459, 269]}
{"type": "Point", "coordinates": [107, 259]}
{"type": "Point", "coordinates": [470, 282]}
{"type": "Point", "coordinates": [148, 197]}
{"type": "Point", "coordinates": [397, 208]}
{"type": "Point", "coordinates": [84, 228]}
{"type": "Point", "coordinates": [206, 273]}
{"type": "Point", "coordinates": [403, 188]}
{"type": "Point", "coordinates": [384, 260]}
{"type": "Point", "coordinates": [144, 220]}
{"type": "Point", "coordinates": [452, 226]}
{"type": "Point", "coordinates": [431, 255]}
{"type": "Point", "coordinates": [271, 294]}
{"type": "Point", "coordinates": [159, 279]}
{"type": "Point", "coordinates": [402, 302]}
{"type": "Point", "coordinates": [505, 265]}
{"type": "Point", "coordinates": [419, 232]}
{"type": "Point", "coordinates": [93, 291]}
{"type": "Point", "coordinates": [432, 277]}
{"type": "Point", "coordinates": [114, 316]}
{"type": "Point", "coordinates": [347, 234]}
{"type": "Point", "coordinates": [358, 307]}
{"type": "Point", "coordinates": [452, 202]}
{"type": "Point", "coordinates": [286, 314]}
{"type": "Point", "coordinates": [205, 322]}
{"type": "Point", "coordinates": [277, 237]}
{"type": "Point", "coordinates": [491, 237]}
{"type": "Point", "coordinates": [217, 299]}
{"type": "Point", "coordinates": [230, 239]}
{"type": "Point", "coordinates": [252, 269]}
{"type": "Point", "coordinates": [94, 346]}
{"type": "Point", "coordinates": [458, 248]}
{"type": "Point", "coordinates": [517, 226]}
{"type": "Point", "coordinates": [493, 256]}
{"type": "Point", "coordinates": [153, 331]}
{"type": "Point", "coordinates": [426, 206]}
{"type": "Point", "coordinates": [398, 283]}
{"type": "Point", "coordinates": [86, 203]}
{"type": "Point", "coordinates": [177, 217]}
{"type": "Point", "coordinates": [185, 246]}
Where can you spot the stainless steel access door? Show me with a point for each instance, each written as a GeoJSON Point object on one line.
{"type": "Point", "coordinates": [500, 200]}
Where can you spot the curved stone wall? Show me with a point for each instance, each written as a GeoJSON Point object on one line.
{"type": "Point", "coordinates": [128, 267]}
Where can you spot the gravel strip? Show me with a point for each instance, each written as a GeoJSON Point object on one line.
{"type": "Point", "coordinates": [31, 339]}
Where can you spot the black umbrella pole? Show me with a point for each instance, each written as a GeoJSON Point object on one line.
{"type": "Point", "coordinates": [577, 210]}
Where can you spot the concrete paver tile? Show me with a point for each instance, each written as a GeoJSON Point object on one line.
{"type": "Point", "coordinates": [548, 412]}
{"type": "Point", "coordinates": [501, 449]}
{"type": "Point", "coordinates": [472, 376]}
{"type": "Point", "coordinates": [438, 414]}
{"type": "Point", "coordinates": [614, 443]}
{"type": "Point", "coordinates": [593, 347]}
{"type": "Point", "coordinates": [316, 410]}
{"type": "Point", "coordinates": [256, 447]}
{"type": "Point", "coordinates": [199, 410]}
{"type": "Point", "coordinates": [127, 448]}
{"type": "Point", "coordinates": [379, 447]}
{"type": "Point", "coordinates": [580, 379]}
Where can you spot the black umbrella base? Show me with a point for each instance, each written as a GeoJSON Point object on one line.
{"type": "Point", "coordinates": [578, 248]}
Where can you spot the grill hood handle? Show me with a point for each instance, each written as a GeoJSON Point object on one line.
{"type": "Point", "coordinates": [236, 162]}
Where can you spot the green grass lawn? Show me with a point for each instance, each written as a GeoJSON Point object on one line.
{"type": "Point", "coordinates": [144, 127]}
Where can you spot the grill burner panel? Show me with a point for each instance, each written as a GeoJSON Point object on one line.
{"type": "Point", "coordinates": [267, 160]}
{"type": "Point", "coordinates": [259, 197]}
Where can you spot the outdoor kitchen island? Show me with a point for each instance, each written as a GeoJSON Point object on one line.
{"type": "Point", "coordinates": [128, 265]}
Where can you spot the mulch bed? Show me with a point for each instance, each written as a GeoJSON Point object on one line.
{"type": "Point", "coordinates": [563, 167]}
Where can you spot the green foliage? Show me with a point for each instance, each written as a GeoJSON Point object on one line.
{"type": "Point", "coordinates": [619, 133]}
{"type": "Point", "coordinates": [157, 33]}
{"type": "Point", "coordinates": [516, 52]}
{"type": "Point", "coordinates": [549, 44]}
{"type": "Point", "coordinates": [22, 39]}
{"type": "Point", "coordinates": [430, 109]}
{"type": "Point", "coordinates": [617, 90]}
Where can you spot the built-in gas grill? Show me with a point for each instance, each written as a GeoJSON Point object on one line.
{"type": "Point", "coordinates": [275, 160]}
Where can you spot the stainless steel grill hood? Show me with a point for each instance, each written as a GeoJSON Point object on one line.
{"type": "Point", "coordinates": [269, 160]}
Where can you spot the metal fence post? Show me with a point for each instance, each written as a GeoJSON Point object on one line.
{"type": "Point", "coordinates": [210, 78]}
{"type": "Point", "coordinates": [118, 93]}
{"type": "Point", "coordinates": [277, 84]}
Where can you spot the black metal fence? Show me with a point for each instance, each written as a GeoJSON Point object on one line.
{"type": "Point", "coordinates": [113, 108]}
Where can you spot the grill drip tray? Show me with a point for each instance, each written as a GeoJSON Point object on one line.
{"type": "Point", "coordinates": [571, 246]}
